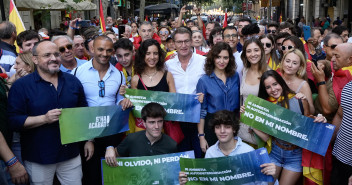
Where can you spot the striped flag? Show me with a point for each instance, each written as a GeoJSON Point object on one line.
{"type": "Point", "coordinates": [15, 18]}
{"type": "Point", "coordinates": [101, 15]}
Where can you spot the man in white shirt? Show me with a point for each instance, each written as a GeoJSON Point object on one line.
{"type": "Point", "coordinates": [231, 38]}
{"type": "Point", "coordinates": [186, 68]}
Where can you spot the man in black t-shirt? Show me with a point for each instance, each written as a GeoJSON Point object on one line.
{"type": "Point", "coordinates": [144, 143]}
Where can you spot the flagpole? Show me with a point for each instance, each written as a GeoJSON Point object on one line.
{"type": "Point", "coordinates": [2, 10]}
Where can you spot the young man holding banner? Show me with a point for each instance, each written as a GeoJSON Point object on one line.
{"type": "Point", "coordinates": [147, 142]}
{"type": "Point", "coordinates": [226, 126]}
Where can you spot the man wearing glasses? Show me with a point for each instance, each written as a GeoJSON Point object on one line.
{"type": "Point", "coordinates": [67, 58]}
{"type": "Point", "coordinates": [231, 38]}
{"type": "Point", "coordinates": [34, 106]}
{"type": "Point", "coordinates": [186, 68]}
{"type": "Point", "coordinates": [272, 28]}
{"type": "Point", "coordinates": [101, 82]}
{"type": "Point", "coordinates": [330, 41]}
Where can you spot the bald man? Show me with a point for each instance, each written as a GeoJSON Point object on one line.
{"type": "Point", "coordinates": [101, 82]}
{"type": "Point", "coordinates": [342, 152]}
{"type": "Point", "coordinates": [34, 106]}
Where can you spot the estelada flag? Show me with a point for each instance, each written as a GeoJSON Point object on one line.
{"type": "Point", "coordinates": [101, 15]}
{"type": "Point", "coordinates": [15, 18]}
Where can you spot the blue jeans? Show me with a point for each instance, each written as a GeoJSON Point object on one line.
{"type": "Point", "coordinates": [288, 159]}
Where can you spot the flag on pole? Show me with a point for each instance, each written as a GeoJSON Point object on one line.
{"type": "Point", "coordinates": [281, 17]}
{"type": "Point", "coordinates": [101, 15]}
{"type": "Point", "coordinates": [225, 19]}
{"type": "Point", "coordinates": [15, 18]}
{"type": "Point", "coordinates": [146, 18]}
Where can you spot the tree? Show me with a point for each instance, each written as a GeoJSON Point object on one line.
{"type": "Point", "coordinates": [141, 10]}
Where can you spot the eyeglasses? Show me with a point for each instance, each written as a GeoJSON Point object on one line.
{"type": "Point", "coordinates": [49, 55]}
{"type": "Point", "coordinates": [180, 42]}
{"type": "Point", "coordinates": [271, 31]}
{"type": "Point", "coordinates": [332, 46]}
{"type": "Point", "coordinates": [217, 36]}
{"type": "Point", "coordinates": [268, 45]}
{"type": "Point", "coordinates": [101, 84]}
{"type": "Point", "coordinates": [283, 48]}
{"type": "Point", "coordinates": [164, 32]}
{"type": "Point", "coordinates": [63, 48]}
{"type": "Point", "coordinates": [229, 36]}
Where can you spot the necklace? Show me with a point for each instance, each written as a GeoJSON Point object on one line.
{"type": "Point", "coordinates": [151, 76]}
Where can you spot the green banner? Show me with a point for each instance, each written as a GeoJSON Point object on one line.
{"type": "Point", "coordinates": [238, 169]}
{"type": "Point", "coordinates": [287, 125]}
{"type": "Point", "coordinates": [148, 170]}
{"type": "Point", "coordinates": [179, 107]}
{"type": "Point", "coordinates": [84, 123]}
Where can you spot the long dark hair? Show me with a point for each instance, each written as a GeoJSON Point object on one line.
{"type": "Point", "coordinates": [285, 89]}
{"type": "Point", "coordinates": [262, 63]}
{"type": "Point", "coordinates": [140, 64]}
{"type": "Point", "coordinates": [273, 51]}
{"type": "Point", "coordinates": [209, 65]}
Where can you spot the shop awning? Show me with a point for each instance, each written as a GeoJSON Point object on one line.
{"type": "Point", "coordinates": [164, 8]}
{"type": "Point", "coordinates": [55, 4]}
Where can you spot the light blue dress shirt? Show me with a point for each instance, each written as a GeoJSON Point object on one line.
{"type": "Point", "coordinates": [89, 78]}
{"type": "Point", "coordinates": [79, 63]}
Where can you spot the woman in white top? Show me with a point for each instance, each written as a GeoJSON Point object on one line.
{"type": "Point", "coordinates": [253, 57]}
{"type": "Point", "coordinates": [293, 70]}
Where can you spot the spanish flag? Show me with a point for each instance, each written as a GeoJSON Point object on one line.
{"type": "Point", "coordinates": [15, 18]}
{"type": "Point", "coordinates": [340, 79]}
{"type": "Point", "coordinates": [101, 15]}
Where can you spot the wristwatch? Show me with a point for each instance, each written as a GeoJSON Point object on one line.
{"type": "Point", "coordinates": [201, 135]}
{"type": "Point", "coordinates": [321, 83]}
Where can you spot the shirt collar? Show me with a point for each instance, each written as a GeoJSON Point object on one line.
{"type": "Point", "coordinates": [190, 60]}
{"type": "Point", "coordinates": [238, 144]}
{"type": "Point", "coordinates": [90, 66]}
{"type": "Point", "coordinates": [38, 78]}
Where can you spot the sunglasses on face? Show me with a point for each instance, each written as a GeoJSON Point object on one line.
{"type": "Point", "coordinates": [271, 31]}
{"type": "Point", "coordinates": [268, 45]}
{"type": "Point", "coordinates": [164, 32]}
{"type": "Point", "coordinates": [63, 48]}
{"type": "Point", "coordinates": [283, 48]}
{"type": "Point", "coordinates": [332, 46]}
{"type": "Point", "coordinates": [101, 84]}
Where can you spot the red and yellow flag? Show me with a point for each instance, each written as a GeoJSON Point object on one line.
{"type": "Point", "coordinates": [101, 15]}
{"type": "Point", "coordinates": [15, 18]}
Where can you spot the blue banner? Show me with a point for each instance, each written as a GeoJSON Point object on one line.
{"type": "Point", "coordinates": [287, 125]}
{"type": "Point", "coordinates": [239, 169]}
{"type": "Point", "coordinates": [179, 107]}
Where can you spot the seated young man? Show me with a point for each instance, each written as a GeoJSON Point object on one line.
{"type": "Point", "coordinates": [226, 126]}
{"type": "Point", "coordinates": [147, 142]}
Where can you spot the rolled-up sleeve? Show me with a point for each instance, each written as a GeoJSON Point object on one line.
{"type": "Point", "coordinates": [204, 106]}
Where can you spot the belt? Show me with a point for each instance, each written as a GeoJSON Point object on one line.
{"type": "Point", "coordinates": [291, 147]}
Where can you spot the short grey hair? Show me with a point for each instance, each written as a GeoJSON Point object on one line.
{"type": "Point", "coordinates": [330, 36]}
{"type": "Point", "coordinates": [60, 37]}
{"type": "Point", "coordinates": [145, 23]}
{"type": "Point", "coordinates": [7, 29]}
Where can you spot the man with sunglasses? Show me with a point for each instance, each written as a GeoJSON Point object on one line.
{"type": "Point", "coordinates": [272, 28]}
{"type": "Point", "coordinates": [330, 42]}
{"type": "Point", "coordinates": [101, 82]}
{"type": "Point", "coordinates": [67, 58]}
{"type": "Point", "coordinates": [34, 106]}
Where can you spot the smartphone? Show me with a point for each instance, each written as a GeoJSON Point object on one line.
{"type": "Point", "coordinates": [306, 32]}
{"type": "Point", "coordinates": [83, 23]}
{"type": "Point", "coordinates": [121, 30]}
{"type": "Point", "coordinates": [189, 7]}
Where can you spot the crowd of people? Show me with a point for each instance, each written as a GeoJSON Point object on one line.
{"type": "Point", "coordinates": [223, 65]}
